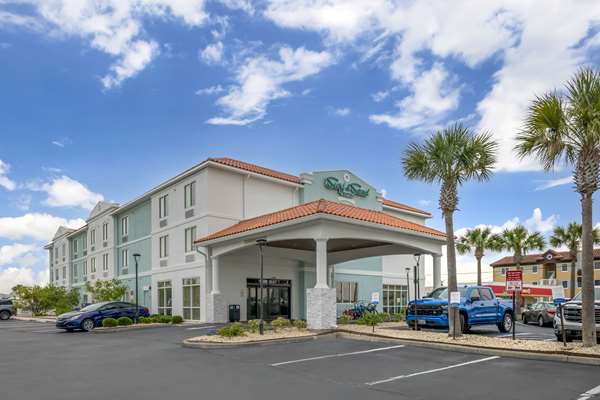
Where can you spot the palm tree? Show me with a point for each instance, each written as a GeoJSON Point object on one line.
{"type": "Point", "coordinates": [450, 158]}
{"type": "Point", "coordinates": [570, 237]}
{"type": "Point", "coordinates": [519, 241]}
{"type": "Point", "coordinates": [565, 127]}
{"type": "Point", "coordinates": [477, 240]}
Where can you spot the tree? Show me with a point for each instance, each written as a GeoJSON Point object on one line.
{"type": "Point", "coordinates": [40, 300]}
{"type": "Point", "coordinates": [565, 128]}
{"type": "Point", "coordinates": [111, 290]}
{"type": "Point", "coordinates": [519, 241]}
{"type": "Point", "coordinates": [450, 158]}
{"type": "Point", "coordinates": [477, 240]}
{"type": "Point", "coordinates": [570, 237]}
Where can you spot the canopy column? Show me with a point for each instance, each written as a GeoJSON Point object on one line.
{"type": "Point", "coordinates": [320, 300]}
{"type": "Point", "coordinates": [217, 309]}
{"type": "Point", "coordinates": [437, 270]}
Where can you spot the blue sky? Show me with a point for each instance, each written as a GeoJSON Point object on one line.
{"type": "Point", "coordinates": [105, 99]}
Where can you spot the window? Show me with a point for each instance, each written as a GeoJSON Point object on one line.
{"type": "Point", "coordinates": [163, 246]}
{"type": "Point", "coordinates": [190, 238]}
{"type": "Point", "coordinates": [75, 272]}
{"type": "Point", "coordinates": [597, 282]}
{"type": "Point", "coordinates": [486, 294]}
{"type": "Point", "coordinates": [504, 271]}
{"type": "Point", "coordinates": [596, 264]}
{"type": "Point", "coordinates": [191, 298]}
{"type": "Point", "coordinates": [104, 262]}
{"type": "Point", "coordinates": [93, 237]}
{"type": "Point", "coordinates": [125, 260]}
{"type": "Point", "coordinates": [75, 246]}
{"type": "Point", "coordinates": [125, 226]}
{"type": "Point", "coordinates": [84, 268]}
{"type": "Point", "coordinates": [163, 210]}
{"type": "Point", "coordinates": [565, 284]}
{"type": "Point", "coordinates": [395, 298]}
{"type": "Point", "coordinates": [189, 193]}
{"type": "Point", "coordinates": [51, 274]}
{"type": "Point", "coordinates": [105, 231]}
{"type": "Point", "coordinates": [56, 253]}
{"type": "Point", "coordinates": [346, 292]}
{"type": "Point", "coordinates": [534, 283]}
{"type": "Point", "coordinates": [64, 250]}
{"type": "Point", "coordinates": [534, 269]}
{"type": "Point", "coordinates": [164, 298]}
{"type": "Point", "coordinates": [564, 267]}
{"type": "Point", "coordinates": [84, 243]}
{"type": "Point", "coordinates": [64, 273]}
{"type": "Point", "coordinates": [56, 274]}
{"type": "Point", "coordinates": [579, 281]}
{"type": "Point", "coordinates": [93, 265]}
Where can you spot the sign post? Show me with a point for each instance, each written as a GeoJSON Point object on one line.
{"type": "Point", "coordinates": [514, 282]}
{"type": "Point", "coordinates": [454, 303]}
{"type": "Point", "coordinates": [559, 302]}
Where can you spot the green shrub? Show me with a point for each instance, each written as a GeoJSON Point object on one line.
{"type": "Point", "coordinates": [398, 316]}
{"type": "Point", "coordinates": [231, 330]}
{"type": "Point", "coordinates": [344, 319]}
{"type": "Point", "coordinates": [177, 319]}
{"type": "Point", "coordinates": [254, 325]}
{"type": "Point", "coordinates": [280, 322]}
{"type": "Point", "coordinates": [154, 319]}
{"type": "Point", "coordinates": [300, 324]}
{"type": "Point", "coordinates": [386, 317]}
{"type": "Point", "coordinates": [371, 319]}
{"type": "Point", "coordinates": [109, 322]}
{"type": "Point", "coordinates": [165, 319]}
{"type": "Point", "coordinates": [62, 309]}
{"type": "Point", "coordinates": [124, 321]}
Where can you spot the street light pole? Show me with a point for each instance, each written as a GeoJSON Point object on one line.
{"type": "Point", "coordinates": [261, 324]}
{"type": "Point", "coordinates": [417, 289]}
{"type": "Point", "coordinates": [136, 256]}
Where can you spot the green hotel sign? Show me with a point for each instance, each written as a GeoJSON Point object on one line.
{"type": "Point", "coordinates": [345, 188]}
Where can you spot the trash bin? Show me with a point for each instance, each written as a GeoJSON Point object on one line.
{"type": "Point", "coordinates": [234, 313]}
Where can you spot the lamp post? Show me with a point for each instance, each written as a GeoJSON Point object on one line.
{"type": "Point", "coordinates": [417, 289]}
{"type": "Point", "coordinates": [407, 289]}
{"type": "Point", "coordinates": [261, 324]}
{"type": "Point", "coordinates": [136, 257]}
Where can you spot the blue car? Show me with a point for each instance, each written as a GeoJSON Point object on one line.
{"type": "Point", "coordinates": [91, 316]}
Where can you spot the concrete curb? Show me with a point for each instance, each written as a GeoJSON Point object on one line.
{"type": "Point", "coordinates": [218, 345]}
{"type": "Point", "coordinates": [529, 355]}
{"type": "Point", "coordinates": [130, 328]}
{"type": "Point", "coordinates": [34, 319]}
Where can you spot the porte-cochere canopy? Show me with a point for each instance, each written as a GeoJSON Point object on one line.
{"type": "Point", "coordinates": [335, 232]}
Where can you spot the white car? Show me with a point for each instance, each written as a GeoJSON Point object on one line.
{"type": "Point", "coordinates": [572, 318]}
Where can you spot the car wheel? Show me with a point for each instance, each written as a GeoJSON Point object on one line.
{"type": "Point", "coordinates": [4, 315]}
{"type": "Point", "coordinates": [464, 326]}
{"type": "Point", "coordinates": [507, 323]}
{"type": "Point", "coordinates": [524, 318]}
{"type": "Point", "coordinates": [87, 325]}
{"type": "Point", "coordinates": [541, 321]}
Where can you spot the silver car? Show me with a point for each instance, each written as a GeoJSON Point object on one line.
{"type": "Point", "coordinates": [7, 309]}
{"type": "Point", "coordinates": [572, 318]}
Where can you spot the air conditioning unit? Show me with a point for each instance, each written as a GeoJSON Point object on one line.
{"type": "Point", "coordinates": [124, 239]}
{"type": "Point", "coordinates": [189, 258]}
{"type": "Point", "coordinates": [105, 244]}
{"type": "Point", "coordinates": [162, 223]}
{"type": "Point", "coordinates": [163, 263]}
{"type": "Point", "coordinates": [189, 213]}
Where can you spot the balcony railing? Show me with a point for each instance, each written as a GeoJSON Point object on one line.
{"type": "Point", "coordinates": [548, 282]}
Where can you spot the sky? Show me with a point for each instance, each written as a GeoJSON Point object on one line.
{"type": "Point", "coordinates": [104, 99]}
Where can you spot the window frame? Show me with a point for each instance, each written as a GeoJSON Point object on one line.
{"type": "Point", "coordinates": [163, 247]}
{"type": "Point", "coordinates": [346, 292]}
{"type": "Point", "coordinates": [163, 206]}
{"type": "Point", "coordinates": [188, 284]}
{"type": "Point", "coordinates": [167, 288]}
{"type": "Point", "coordinates": [189, 195]}
{"type": "Point", "coordinates": [125, 226]}
{"type": "Point", "coordinates": [104, 231]}
{"type": "Point", "coordinates": [189, 240]}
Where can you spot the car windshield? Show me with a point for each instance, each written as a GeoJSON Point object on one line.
{"type": "Point", "coordinates": [442, 293]}
{"type": "Point", "coordinates": [93, 307]}
{"type": "Point", "coordinates": [597, 295]}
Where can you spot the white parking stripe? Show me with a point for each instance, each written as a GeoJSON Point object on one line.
{"type": "Point", "coordinates": [395, 378]}
{"type": "Point", "coordinates": [516, 334]}
{"type": "Point", "coordinates": [199, 327]}
{"type": "Point", "coordinates": [337, 355]}
{"type": "Point", "coordinates": [590, 393]}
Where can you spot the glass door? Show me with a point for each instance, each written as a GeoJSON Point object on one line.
{"type": "Point", "coordinates": [276, 298]}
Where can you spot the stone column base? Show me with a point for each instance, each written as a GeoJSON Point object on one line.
{"type": "Point", "coordinates": [321, 308]}
{"type": "Point", "coordinates": [216, 308]}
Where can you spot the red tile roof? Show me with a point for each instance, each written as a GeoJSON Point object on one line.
{"type": "Point", "coordinates": [321, 207]}
{"type": "Point", "coordinates": [560, 256]}
{"type": "Point", "coordinates": [256, 169]}
{"type": "Point", "coordinates": [393, 204]}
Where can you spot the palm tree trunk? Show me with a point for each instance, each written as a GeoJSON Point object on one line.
{"type": "Point", "coordinates": [478, 271]}
{"type": "Point", "coordinates": [573, 275]}
{"type": "Point", "coordinates": [587, 259]}
{"type": "Point", "coordinates": [451, 265]}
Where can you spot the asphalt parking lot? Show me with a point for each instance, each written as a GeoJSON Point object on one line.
{"type": "Point", "coordinates": [523, 332]}
{"type": "Point", "coordinates": [38, 361]}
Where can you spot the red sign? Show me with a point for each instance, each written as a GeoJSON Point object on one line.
{"type": "Point", "coordinates": [514, 279]}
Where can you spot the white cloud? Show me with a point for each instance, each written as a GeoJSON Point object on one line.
{"type": "Point", "coordinates": [380, 96]}
{"type": "Point", "coordinates": [433, 96]}
{"type": "Point", "coordinates": [555, 182]}
{"type": "Point", "coordinates": [114, 27]}
{"type": "Point", "coordinates": [260, 80]}
{"type": "Point", "coordinates": [342, 112]}
{"type": "Point", "coordinates": [13, 253]}
{"type": "Point", "coordinates": [66, 192]}
{"type": "Point", "coordinates": [537, 223]}
{"type": "Point", "coordinates": [5, 182]}
{"type": "Point", "coordinates": [425, 203]}
{"type": "Point", "coordinates": [37, 226]}
{"type": "Point", "coordinates": [62, 142]}
{"type": "Point", "coordinates": [212, 54]}
{"type": "Point", "coordinates": [12, 276]}
{"type": "Point", "coordinates": [210, 90]}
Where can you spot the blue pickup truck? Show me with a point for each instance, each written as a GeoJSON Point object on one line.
{"type": "Point", "coordinates": [478, 306]}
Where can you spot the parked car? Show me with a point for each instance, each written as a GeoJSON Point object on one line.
{"type": "Point", "coordinates": [7, 309]}
{"type": "Point", "coordinates": [572, 318]}
{"type": "Point", "coordinates": [541, 313]}
{"type": "Point", "coordinates": [478, 306]}
{"type": "Point", "coordinates": [91, 316]}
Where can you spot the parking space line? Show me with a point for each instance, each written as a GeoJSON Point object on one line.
{"type": "Point", "coordinates": [336, 355]}
{"type": "Point", "coordinates": [431, 371]}
{"type": "Point", "coordinates": [590, 393]}
{"type": "Point", "coordinates": [516, 334]}
{"type": "Point", "coordinates": [200, 327]}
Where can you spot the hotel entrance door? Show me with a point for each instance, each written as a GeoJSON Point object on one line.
{"type": "Point", "coordinates": [276, 298]}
